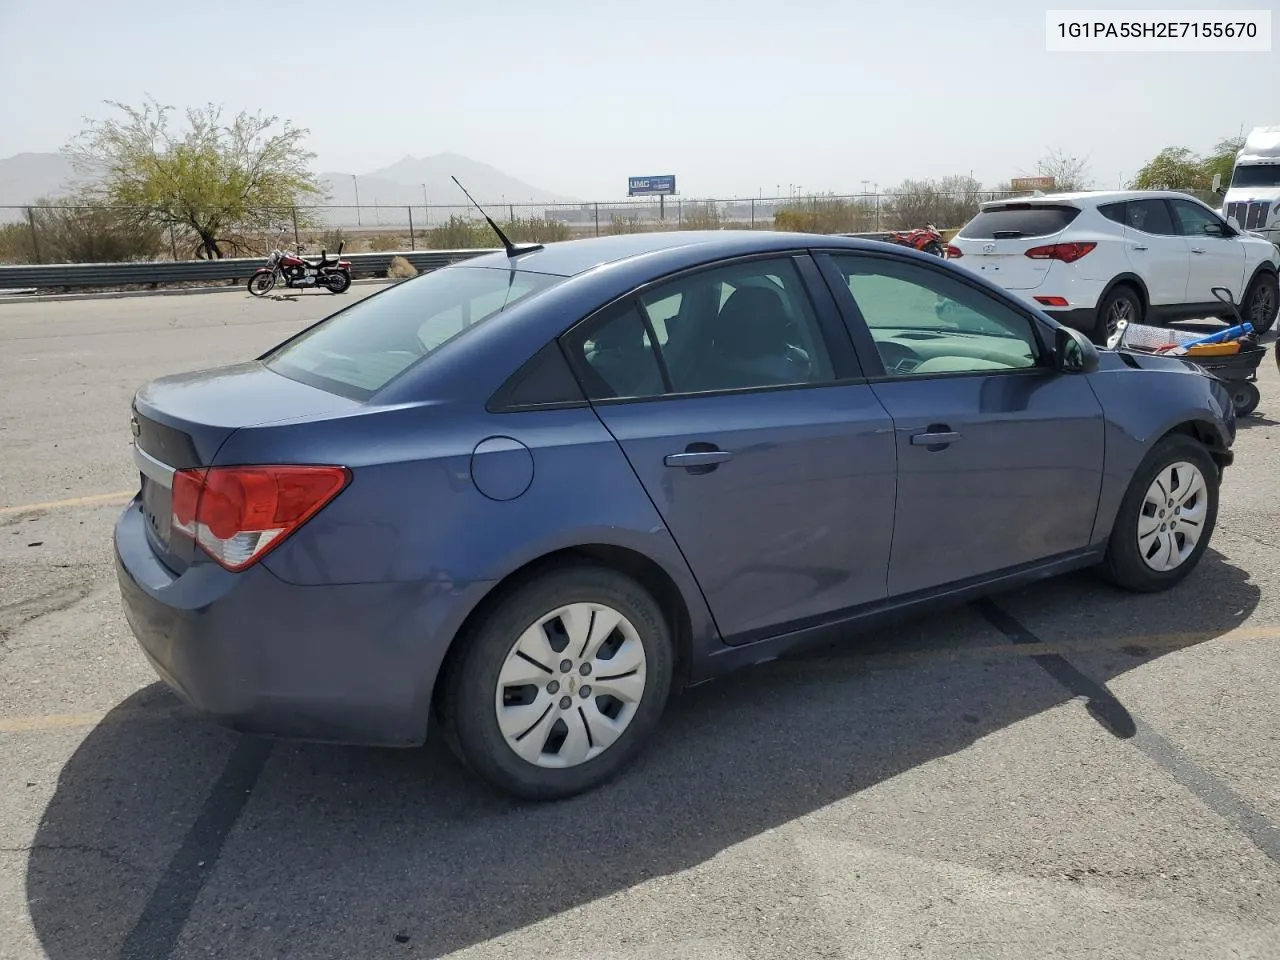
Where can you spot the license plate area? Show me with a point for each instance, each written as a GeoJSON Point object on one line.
{"type": "Point", "coordinates": [156, 510]}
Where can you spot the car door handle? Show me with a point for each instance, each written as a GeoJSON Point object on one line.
{"type": "Point", "coordinates": [934, 440]}
{"type": "Point", "coordinates": [1197, 249]}
{"type": "Point", "coordinates": [1140, 246]}
{"type": "Point", "coordinates": [697, 458]}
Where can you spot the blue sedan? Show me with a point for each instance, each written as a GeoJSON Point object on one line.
{"type": "Point", "coordinates": [528, 496]}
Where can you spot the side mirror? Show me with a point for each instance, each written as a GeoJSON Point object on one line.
{"type": "Point", "coordinates": [1235, 224]}
{"type": "Point", "coordinates": [1217, 183]}
{"type": "Point", "coordinates": [1074, 352]}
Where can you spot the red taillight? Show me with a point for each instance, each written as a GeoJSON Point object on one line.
{"type": "Point", "coordinates": [237, 514]}
{"type": "Point", "coordinates": [1066, 252]}
{"type": "Point", "coordinates": [1052, 301]}
{"type": "Point", "coordinates": [954, 252]}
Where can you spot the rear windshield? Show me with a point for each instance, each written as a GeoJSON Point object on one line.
{"type": "Point", "coordinates": [1019, 220]}
{"type": "Point", "coordinates": [359, 351]}
{"type": "Point", "coordinates": [1256, 175]}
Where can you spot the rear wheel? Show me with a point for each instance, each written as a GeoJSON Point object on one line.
{"type": "Point", "coordinates": [1261, 302]}
{"type": "Point", "coordinates": [1166, 518]}
{"type": "Point", "coordinates": [562, 685]}
{"type": "Point", "coordinates": [935, 248]}
{"type": "Point", "coordinates": [339, 281]}
{"type": "Point", "coordinates": [1122, 303]}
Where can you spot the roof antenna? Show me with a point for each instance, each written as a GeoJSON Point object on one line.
{"type": "Point", "coordinates": [512, 249]}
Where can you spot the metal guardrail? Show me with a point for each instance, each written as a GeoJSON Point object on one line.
{"type": "Point", "coordinates": [50, 275]}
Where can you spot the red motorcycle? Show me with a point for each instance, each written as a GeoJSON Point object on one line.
{"type": "Point", "coordinates": [332, 273]}
{"type": "Point", "coordinates": [926, 239]}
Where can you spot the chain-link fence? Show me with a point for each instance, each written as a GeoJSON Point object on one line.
{"type": "Point", "coordinates": [66, 233]}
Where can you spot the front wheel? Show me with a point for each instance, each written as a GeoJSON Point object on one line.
{"type": "Point", "coordinates": [1166, 518]}
{"type": "Point", "coordinates": [262, 282]}
{"type": "Point", "coordinates": [562, 685]}
{"type": "Point", "coordinates": [338, 281]}
{"type": "Point", "coordinates": [1262, 302]}
{"type": "Point", "coordinates": [934, 248]}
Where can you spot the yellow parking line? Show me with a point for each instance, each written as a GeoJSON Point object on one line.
{"type": "Point", "coordinates": [69, 721]}
{"type": "Point", "coordinates": [95, 500]}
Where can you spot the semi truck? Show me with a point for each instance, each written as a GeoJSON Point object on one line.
{"type": "Point", "coordinates": [1252, 197]}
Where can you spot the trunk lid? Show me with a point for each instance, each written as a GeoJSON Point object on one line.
{"type": "Point", "coordinates": [182, 421]}
{"type": "Point", "coordinates": [994, 244]}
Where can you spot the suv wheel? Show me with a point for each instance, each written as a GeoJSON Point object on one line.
{"type": "Point", "coordinates": [1166, 518]}
{"type": "Point", "coordinates": [1122, 303]}
{"type": "Point", "coordinates": [562, 685]}
{"type": "Point", "coordinates": [1261, 302]}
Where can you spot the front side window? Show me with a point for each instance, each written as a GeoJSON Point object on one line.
{"type": "Point", "coordinates": [925, 322]}
{"type": "Point", "coordinates": [359, 351]}
{"type": "Point", "coordinates": [743, 326]}
{"type": "Point", "coordinates": [1195, 221]}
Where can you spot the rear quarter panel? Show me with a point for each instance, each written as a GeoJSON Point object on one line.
{"type": "Point", "coordinates": [1141, 406]}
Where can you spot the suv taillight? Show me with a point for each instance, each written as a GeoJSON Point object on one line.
{"type": "Point", "coordinates": [1066, 252]}
{"type": "Point", "coordinates": [237, 514]}
{"type": "Point", "coordinates": [954, 252]}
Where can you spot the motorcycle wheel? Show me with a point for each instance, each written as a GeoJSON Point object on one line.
{"type": "Point", "coordinates": [339, 281]}
{"type": "Point", "coordinates": [262, 283]}
{"type": "Point", "coordinates": [934, 248]}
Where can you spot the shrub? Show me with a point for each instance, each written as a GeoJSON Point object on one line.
{"type": "Point", "coordinates": [75, 230]}
{"type": "Point", "coordinates": [385, 243]}
{"type": "Point", "coordinates": [401, 269]}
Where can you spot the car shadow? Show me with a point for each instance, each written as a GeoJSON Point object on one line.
{"type": "Point", "coordinates": [348, 852]}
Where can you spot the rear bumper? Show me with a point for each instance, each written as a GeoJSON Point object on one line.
{"type": "Point", "coordinates": [348, 663]}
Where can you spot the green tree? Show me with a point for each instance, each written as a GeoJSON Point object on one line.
{"type": "Point", "coordinates": [1173, 168]}
{"type": "Point", "coordinates": [209, 179]}
{"type": "Point", "coordinates": [1223, 158]}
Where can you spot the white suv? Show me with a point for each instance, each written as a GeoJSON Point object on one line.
{"type": "Point", "coordinates": [1092, 259]}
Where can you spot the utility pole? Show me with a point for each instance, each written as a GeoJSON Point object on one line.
{"type": "Point", "coordinates": [356, 185]}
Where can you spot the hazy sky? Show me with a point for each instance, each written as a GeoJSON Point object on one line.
{"type": "Point", "coordinates": [575, 96]}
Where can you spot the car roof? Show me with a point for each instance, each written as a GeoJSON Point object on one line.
{"type": "Point", "coordinates": [1094, 197]}
{"type": "Point", "coordinates": [569, 258]}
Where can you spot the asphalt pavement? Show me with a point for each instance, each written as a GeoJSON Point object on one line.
{"type": "Point", "coordinates": [1064, 771]}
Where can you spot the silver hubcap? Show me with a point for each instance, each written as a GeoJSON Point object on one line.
{"type": "Point", "coordinates": [570, 685]}
{"type": "Point", "coordinates": [1172, 518]}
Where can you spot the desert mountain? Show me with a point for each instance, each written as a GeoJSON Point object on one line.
{"type": "Point", "coordinates": [406, 181]}
{"type": "Point", "coordinates": [26, 177]}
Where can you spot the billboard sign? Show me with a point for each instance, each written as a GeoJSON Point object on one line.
{"type": "Point", "coordinates": [1032, 183]}
{"type": "Point", "coordinates": [651, 186]}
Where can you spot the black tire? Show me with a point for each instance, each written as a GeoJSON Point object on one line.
{"type": "Point", "coordinates": [262, 282]}
{"type": "Point", "coordinates": [471, 687]}
{"type": "Point", "coordinates": [339, 281]}
{"type": "Point", "coordinates": [934, 248]}
{"type": "Point", "coordinates": [1244, 397]}
{"type": "Point", "coordinates": [1123, 564]}
{"type": "Point", "coordinates": [1121, 303]}
{"type": "Point", "coordinates": [1261, 302]}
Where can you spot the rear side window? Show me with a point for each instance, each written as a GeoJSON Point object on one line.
{"type": "Point", "coordinates": [1019, 220]}
{"type": "Point", "coordinates": [359, 351]}
{"type": "Point", "coordinates": [1115, 212]}
{"type": "Point", "coordinates": [1150, 216]}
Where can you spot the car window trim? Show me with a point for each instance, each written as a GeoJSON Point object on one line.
{"type": "Point", "coordinates": [847, 368]}
{"type": "Point", "coordinates": [864, 341]}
